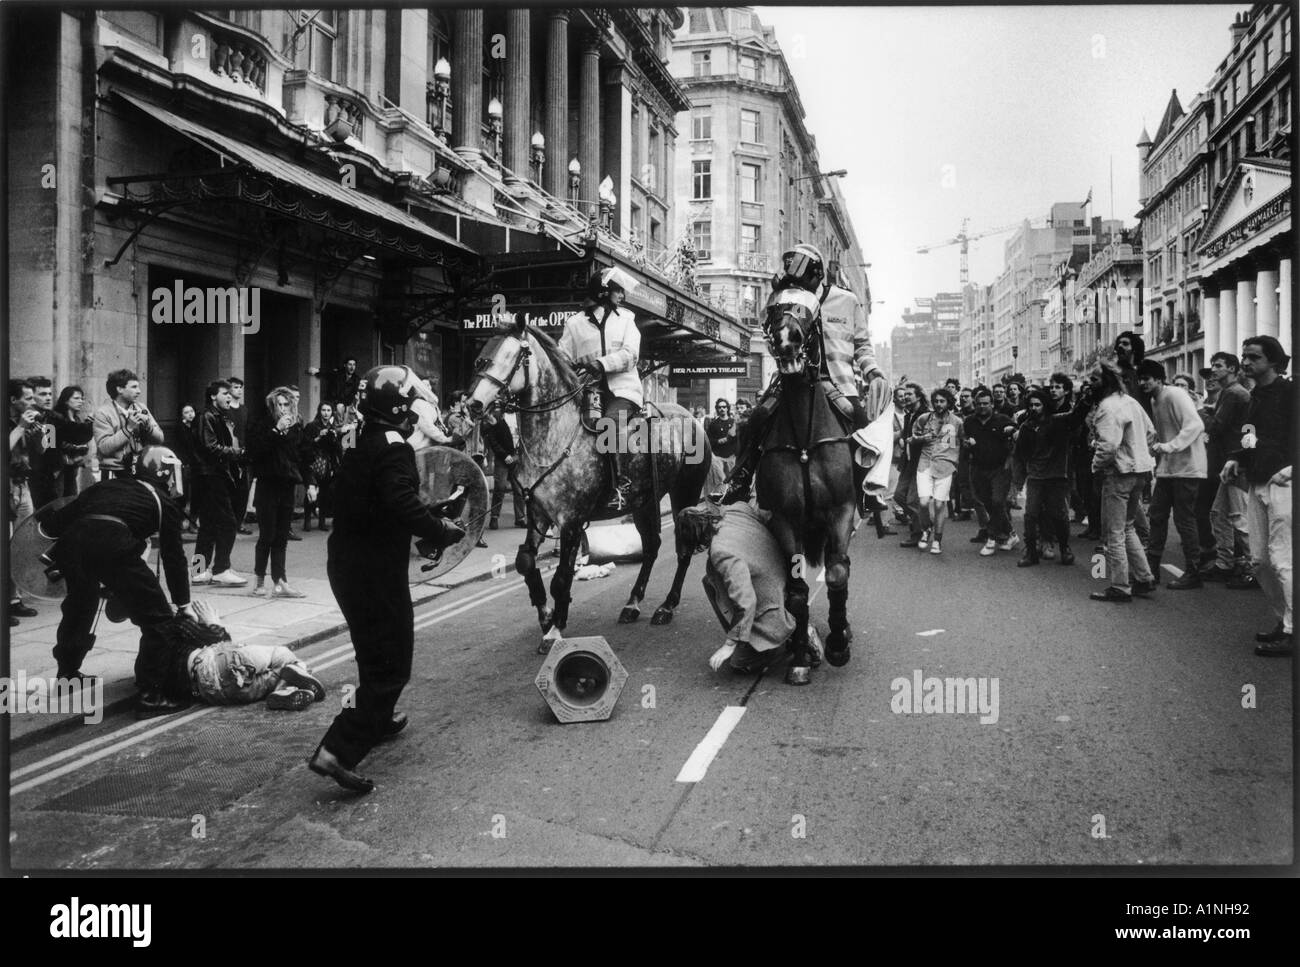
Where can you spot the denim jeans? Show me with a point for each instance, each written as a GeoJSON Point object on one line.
{"type": "Point", "coordinates": [20, 508]}
{"type": "Point", "coordinates": [1176, 494]}
{"type": "Point", "coordinates": [990, 489]}
{"type": "Point", "coordinates": [1268, 520]}
{"type": "Point", "coordinates": [905, 496]}
{"type": "Point", "coordinates": [1047, 502]}
{"type": "Point", "coordinates": [1121, 500]}
{"type": "Point", "coordinates": [1228, 520]}
{"type": "Point", "coordinates": [230, 674]}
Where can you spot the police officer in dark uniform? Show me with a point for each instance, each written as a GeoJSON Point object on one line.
{"type": "Point", "coordinates": [377, 510]}
{"type": "Point", "coordinates": [101, 537]}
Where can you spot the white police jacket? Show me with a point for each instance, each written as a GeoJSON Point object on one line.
{"type": "Point", "coordinates": [614, 340]}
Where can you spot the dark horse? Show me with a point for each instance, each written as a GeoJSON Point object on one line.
{"type": "Point", "coordinates": [805, 478]}
{"type": "Point", "coordinates": [565, 474]}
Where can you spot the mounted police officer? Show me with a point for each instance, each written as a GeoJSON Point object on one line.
{"type": "Point", "coordinates": [604, 343]}
{"type": "Point", "coordinates": [847, 342]}
{"type": "Point", "coordinates": [377, 510]}
{"type": "Point", "coordinates": [101, 538]}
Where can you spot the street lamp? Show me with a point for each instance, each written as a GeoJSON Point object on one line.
{"type": "Point", "coordinates": [495, 126]}
{"type": "Point", "coordinates": [837, 173]}
{"type": "Point", "coordinates": [439, 93]}
{"type": "Point", "coordinates": [538, 155]}
{"type": "Point", "coordinates": [575, 179]}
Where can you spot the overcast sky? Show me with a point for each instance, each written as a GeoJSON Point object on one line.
{"type": "Point", "coordinates": [1026, 104]}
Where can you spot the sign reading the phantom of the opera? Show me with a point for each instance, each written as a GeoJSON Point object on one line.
{"type": "Point", "coordinates": [484, 321]}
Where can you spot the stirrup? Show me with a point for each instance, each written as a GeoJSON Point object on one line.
{"type": "Point", "coordinates": [619, 499]}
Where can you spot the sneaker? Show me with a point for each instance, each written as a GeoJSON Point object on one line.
{"type": "Point", "coordinates": [1243, 582]}
{"type": "Point", "coordinates": [910, 542]}
{"type": "Point", "coordinates": [260, 590]}
{"type": "Point", "coordinates": [20, 610]}
{"type": "Point", "coordinates": [229, 579]}
{"type": "Point", "coordinates": [1282, 648]}
{"type": "Point", "coordinates": [1144, 589]}
{"type": "Point", "coordinates": [1271, 637]}
{"type": "Point", "coordinates": [1010, 544]}
{"type": "Point", "coordinates": [1216, 574]}
{"type": "Point", "coordinates": [295, 675]}
{"type": "Point", "coordinates": [290, 699]}
{"type": "Point", "coordinates": [1186, 583]}
{"type": "Point", "coordinates": [294, 536]}
{"type": "Point", "coordinates": [1048, 553]}
{"type": "Point", "coordinates": [935, 548]}
{"type": "Point", "coordinates": [1113, 595]}
{"type": "Point", "coordinates": [282, 590]}
{"type": "Point", "coordinates": [924, 542]}
{"type": "Point", "coordinates": [989, 547]}
{"type": "Point", "coordinates": [1067, 556]}
{"type": "Point", "coordinates": [203, 577]}
{"type": "Point", "coordinates": [980, 538]}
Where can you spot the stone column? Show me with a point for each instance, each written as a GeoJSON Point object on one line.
{"type": "Point", "coordinates": [589, 121]}
{"type": "Point", "coordinates": [517, 109]}
{"type": "Point", "coordinates": [557, 105]}
{"type": "Point", "coordinates": [1210, 324]}
{"type": "Point", "coordinates": [467, 80]}
{"type": "Point", "coordinates": [1228, 336]}
{"type": "Point", "coordinates": [1284, 304]}
{"type": "Point", "coordinates": [1246, 306]}
{"type": "Point", "coordinates": [1266, 314]}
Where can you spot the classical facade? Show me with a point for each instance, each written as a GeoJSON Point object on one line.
{"type": "Point", "coordinates": [1246, 244]}
{"type": "Point", "coordinates": [748, 181]}
{"type": "Point", "coordinates": [330, 183]}
{"type": "Point", "coordinates": [1100, 298]}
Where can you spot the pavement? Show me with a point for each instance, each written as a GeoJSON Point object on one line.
{"type": "Point", "coordinates": [293, 623]}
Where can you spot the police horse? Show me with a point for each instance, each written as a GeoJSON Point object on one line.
{"type": "Point", "coordinates": [566, 479]}
{"type": "Point", "coordinates": [805, 478]}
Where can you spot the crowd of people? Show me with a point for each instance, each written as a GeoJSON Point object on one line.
{"type": "Point", "coordinates": [1126, 451]}
{"type": "Point", "coordinates": [241, 464]}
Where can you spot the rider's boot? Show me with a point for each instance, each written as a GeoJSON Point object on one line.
{"type": "Point", "coordinates": [620, 481]}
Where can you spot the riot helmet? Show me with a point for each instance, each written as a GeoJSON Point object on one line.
{"type": "Point", "coordinates": [801, 267]}
{"type": "Point", "coordinates": [160, 465]}
{"type": "Point", "coordinates": [387, 393]}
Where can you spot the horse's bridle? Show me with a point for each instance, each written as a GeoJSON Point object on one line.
{"type": "Point", "coordinates": [510, 401]}
{"type": "Point", "coordinates": [813, 338]}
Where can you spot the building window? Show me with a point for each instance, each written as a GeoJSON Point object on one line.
{"type": "Point", "coordinates": [313, 41]}
{"type": "Point", "coordinates": [750, 175]}
{"type": "Point", "coordinates": [749, 300]}
{"type": "Point", "coordinates": [656, 234]}
{"type": "Point", "coordinates": [751, 127]}
{"type": "Point", "coordinates": [702, 174]}
{"type": "Point", "coordinates": [751, 67]}
{"type": "Point", "coordinates": [145, 25]}
{"type": "Point", "coordinates": [1268, 52]}
{"type": "Point", "coordinates": [637, 154]}
{"type": "Point", "coordinates": [702, 238]}
{"type": "Point", "coordinates": [1171, 262]}
{"type": "Point", "coordinates": [701, 63]}
{"type": "Point", "coordinates": [751, 237]}
{"type": "Point", "coordinates": [1236, 88]}
{"type": "Point", "coordinates": [651, 180]}
{"type": "Point", "coordinates": [702, 123]}
{"type": "Point", "coordinates": [1250, 73]}
{"type": "Point", "coordinates": [1283, 107]}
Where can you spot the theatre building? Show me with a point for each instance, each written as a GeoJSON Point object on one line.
{"type": "Point", "coordinates": [265, 193]}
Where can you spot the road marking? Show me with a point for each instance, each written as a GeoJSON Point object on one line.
{"type": "Point", "coordinates": [929, 634]}
{"type": "Point", "coordinates": [149, 729]}
{"type": "Point", "coordinates": [698, 764]}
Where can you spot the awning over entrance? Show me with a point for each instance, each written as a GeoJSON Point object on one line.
{"type": "Point", "coordinates": [373, 220]}
{"type": "Point", "coordinates": [545, 286]}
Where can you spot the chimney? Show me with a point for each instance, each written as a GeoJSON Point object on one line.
{"type": "Point", "coordinates": [1239, 24]}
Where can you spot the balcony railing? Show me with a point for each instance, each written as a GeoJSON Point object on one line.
{"type": "Point", "coordinates": [754, 261]}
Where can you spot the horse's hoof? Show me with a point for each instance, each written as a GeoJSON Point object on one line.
{"type": "Point", "coordinates": [629, 615]}
{"type": "Point", "coordinates": [662, 617]}
{"type": "Point", "coordinates": [798, 675]}
{"type": "Point", "coordinates": [839, 657]}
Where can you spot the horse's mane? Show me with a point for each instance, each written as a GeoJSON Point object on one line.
{"type": "Point", "coordinates": [552, 349]}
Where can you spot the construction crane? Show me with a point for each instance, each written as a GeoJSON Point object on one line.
{"type": "Point", "coordinates": [964, 239]}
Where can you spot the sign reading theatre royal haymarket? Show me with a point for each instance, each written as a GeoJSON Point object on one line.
{"type": "Point", "coordinates": [1257, 221]}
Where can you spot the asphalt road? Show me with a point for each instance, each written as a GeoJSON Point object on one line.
{"type": "Point", "coordinates": [1120, 738]}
